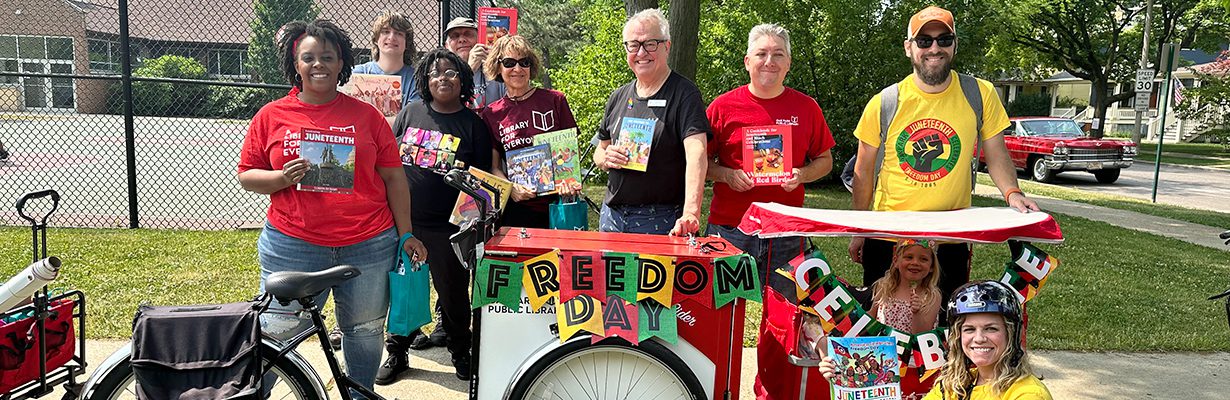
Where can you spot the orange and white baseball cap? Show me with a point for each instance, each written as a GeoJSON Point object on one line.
{"type": "Point", "coordinates": [929, 15]}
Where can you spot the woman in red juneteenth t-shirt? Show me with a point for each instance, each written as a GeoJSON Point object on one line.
{"type": "Point", "coordinates": [366, 203]}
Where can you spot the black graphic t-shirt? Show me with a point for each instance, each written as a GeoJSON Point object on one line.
{"type": "Point", "coordinates": [677, 111]}
{"type": "Point", "coordinates": [431, 143]}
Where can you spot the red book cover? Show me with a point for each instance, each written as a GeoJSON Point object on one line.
{"type": "Point", "coordinates": [330, 157]}
{"type": "Point", "coordinates": [767, 157]}
{"type": "Point", "coordinates": [495, 23]}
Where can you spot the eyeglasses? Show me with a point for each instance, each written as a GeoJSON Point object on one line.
{"type": "Point", "coordinates": [650, 46]}
{"type": "Point", "coordinates": [448, 73]}
{"type": "Point", "coordinates": [511, 62]}
{"type": "Point", "coordinates": [924, 42]}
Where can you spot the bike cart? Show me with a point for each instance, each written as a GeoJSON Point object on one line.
{"type": "Point", "coordinates": [783, 315]}
{"type": "Point", "coordinates": [39, 346]}
{"type": "Point", "coordinates": [521, 352]}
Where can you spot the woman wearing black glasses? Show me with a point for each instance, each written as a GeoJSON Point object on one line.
{"type": "Point", "coordinates": [525, 111]}
{"type": "Point", "coordinates": [436, 134]}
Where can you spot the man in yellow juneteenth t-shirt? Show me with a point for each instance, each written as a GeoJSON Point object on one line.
{"type": "Point", "coordinates": [929, 149]}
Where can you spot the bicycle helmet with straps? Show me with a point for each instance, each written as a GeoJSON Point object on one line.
{"type": "Point", "coordinates": [988, 297]}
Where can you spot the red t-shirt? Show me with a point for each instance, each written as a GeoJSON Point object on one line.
{"type": "Point", "coordinates": [513, 125]}
{"type": "Point", "coordinates": [738, 108]}
{"type": "Point", "coordinates": [325, 219]}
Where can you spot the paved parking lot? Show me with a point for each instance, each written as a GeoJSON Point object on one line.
{"type": "Point", "coordinates": [185, 170]}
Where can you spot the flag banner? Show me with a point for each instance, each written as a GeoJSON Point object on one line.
{"type": "Point", "coordinates": [619, 319]}
{"type": "Point", "coordinates": [582, 313]}
{"type": "Point", "coordinates": [693, 281]}
{"type": "Point", "coordinates": [735, 277]}
{"type": "Point", "coordinates": [584, 274]}
{"type": "Point", "coordinates": [621, 275]}
{"type": "Point", "coordinates": [498, 282]}
{"type": "Point", "coordinates": [657, 320]}
{"type": "Point", "coordinates": [541, 279]}
{"type": "Point", "coordinates": [655, 278]}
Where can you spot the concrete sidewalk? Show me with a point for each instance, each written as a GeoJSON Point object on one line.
{"type": "Point", "coordinates": [1068, 375]}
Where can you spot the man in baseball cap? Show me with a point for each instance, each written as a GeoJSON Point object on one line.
{"type": "Point", "coordinates": [461, 38]}
{"type": "Point", "coordinates": [939, 120]}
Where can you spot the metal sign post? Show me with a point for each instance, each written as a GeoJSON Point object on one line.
{"type": "Point", "coordinates": [1170, 52]}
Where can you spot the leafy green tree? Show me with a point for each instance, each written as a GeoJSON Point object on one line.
{"type": "Point", "coordinates": [167, 99]}
{"type": "Point", "coordinates": [1209, 102]}
{"type": "Point", "coordinates": [552, 27]}
{"type": "Point", "coordinates": [268, 17]}
{"type": "Point", "coordinates": [1098, 40]}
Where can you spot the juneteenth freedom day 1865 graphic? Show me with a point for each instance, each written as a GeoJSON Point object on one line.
{"type": "Point", "coordinates": [928, 150]}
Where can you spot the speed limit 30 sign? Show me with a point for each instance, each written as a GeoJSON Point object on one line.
{"type": "Point", "coordinates": [1144, 80]}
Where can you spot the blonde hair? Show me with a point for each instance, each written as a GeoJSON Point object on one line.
{"type": "Point", "coordinates": [505, 46]}
{"type": "Point", "coordinates": [397, 22]}
{"type": "Point", "coordinates": [882, 290]}
{"type": "Point", "coordinates": [957, 377]}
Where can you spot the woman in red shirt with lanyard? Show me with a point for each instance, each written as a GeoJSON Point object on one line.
{"type": "Point", "coordinates": [356, 219]}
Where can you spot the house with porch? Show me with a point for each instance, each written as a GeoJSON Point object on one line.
{"type": "Point", "coordinates": [1070, 99]}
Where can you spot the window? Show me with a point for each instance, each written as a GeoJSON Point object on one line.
{"type": "Point", "coordinates": [104, 56]}
{"type": "Point", "coordinates": [228, 63]}
{"type": "Point", "coordinates": [40, 55]}
{"type": "Point", "coordinates": [8, 47]}
{"type": "Point", "coordinates": [60, 49]}
{"type": "Point", "coordinates": [31, 47]}
{"type": "Point", "coordinates": [8, 66]}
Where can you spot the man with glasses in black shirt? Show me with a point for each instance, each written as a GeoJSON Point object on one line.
{"type": "Point", "coordinates": [925, 146]}
{"type": "Point", "coordinates": [652, 139]}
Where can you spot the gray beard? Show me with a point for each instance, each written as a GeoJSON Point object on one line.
{"type": "Point", "coordinates": [932, 77]}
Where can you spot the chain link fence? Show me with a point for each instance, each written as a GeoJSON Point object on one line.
{"type": "Point", "coordinates": [164, 157]}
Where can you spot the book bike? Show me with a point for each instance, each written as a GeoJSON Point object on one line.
{"type": "Point", "coordinates": [1226, 294]}
{"type": "Point", "coordinates": [524, 357]}
{"type": "Point", "coordinates": [39, 345]}
{"type": "Point", "coordinates": [819, 295]}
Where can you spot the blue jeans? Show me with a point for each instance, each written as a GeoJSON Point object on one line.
{"type": "Point", "coordinates": [361, 302]}
{"type": "Point", "coordinates": [770, 254]}
{"type": "Point", "coordinates": [656, 219]}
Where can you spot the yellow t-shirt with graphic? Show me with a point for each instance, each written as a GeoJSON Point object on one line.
{"type": "Point", "coordinates": [1027, 388]}
{"type": "Point", "coordinates": [930, 145]}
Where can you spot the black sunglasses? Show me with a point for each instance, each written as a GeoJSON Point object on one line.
{"type": "Point", "coordinates": [924, 42]}
{"type": "Point", "coordinates": [523, 62]}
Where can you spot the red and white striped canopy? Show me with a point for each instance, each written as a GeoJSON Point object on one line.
{"type": "Point", "coordinates": [976, 225]}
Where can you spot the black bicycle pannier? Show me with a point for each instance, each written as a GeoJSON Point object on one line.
{"type": "Point", "coordinates": [205, 352]}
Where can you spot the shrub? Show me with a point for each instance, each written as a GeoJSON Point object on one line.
{"type": "Point", "coordinates": [1069, 102]}
{"type": "Point", "coordinates": [1028, 105]}
{"type": "Point", "coordinates": [161, 99]}
{"type": "Point", "coordinates": [239, 102]}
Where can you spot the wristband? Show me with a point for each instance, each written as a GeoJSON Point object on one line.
{"type": "Point", "coordinates": [1008, 194]}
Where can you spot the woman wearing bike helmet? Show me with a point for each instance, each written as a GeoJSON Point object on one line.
{"type": "Point", "coordinates": [986, 354]}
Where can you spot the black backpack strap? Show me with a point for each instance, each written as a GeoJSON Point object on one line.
{"type": "Point", "coordinates": [973, 95]}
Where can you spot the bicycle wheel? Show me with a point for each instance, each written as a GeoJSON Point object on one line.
{"type": "Point", "coordinates": [290, 383]}
{"type": "Point", "coordinates": [610, 369]}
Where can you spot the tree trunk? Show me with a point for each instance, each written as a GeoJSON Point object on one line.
{"type": "Point", "coordinates": [1099, 108]}
{"type": "Point", "coordinates": [685, 27]}
{"type": "Point", "coordinates": [635, 6]}
{"type": "Point", "coordinates": [546, 68]}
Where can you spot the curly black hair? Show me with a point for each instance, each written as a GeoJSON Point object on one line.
{"type": "Point", "coordinates": [321, 29]}
{"type": "Point", "coordinates": [428, 63]}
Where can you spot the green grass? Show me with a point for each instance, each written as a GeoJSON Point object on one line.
{"type": "Point", "coordinates": [1195, 216]}
{"type": "Point", "coordinates": [1146, 160]}
{"type": "Point", "coordinates": [1115, 289]}
{"type": "Point", "coordinates": [1200, 149]}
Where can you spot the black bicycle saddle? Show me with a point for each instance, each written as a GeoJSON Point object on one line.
{"type": "Point", "coordinates": [292, 285]}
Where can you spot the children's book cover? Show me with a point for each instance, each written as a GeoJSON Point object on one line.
{"type": "Point", "coordinates": [429, 149]}
{"type": "Point", "coordinates": [531, 167]}
{"type": "Point", "coordinates": [330, 156]}
{"type": "Point", "coordinates": [867, 368]}
{"type": "Point", "coordinates": [564, 155]}
{"type": "Point", "coordinates": [495, 23]}
{"type": "Point", "coordinates": [466, 208]}
{"type": "Point", "coordinates": [381, 91]}
{"type": "Point", "coordinates": [767, 157]}
{"type": "Point", "coordinates": [636, 137]}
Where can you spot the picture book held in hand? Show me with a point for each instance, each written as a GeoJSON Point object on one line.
{"type": "Point", "coordinates": [429, 149]}
{"type": "Point", "coordinates": [330, 156]}
{"type": "Point", "coordinates": [564, 155]}
{"type": "Point", "coordinates": [495, 23]}
{"type": "Point", "coordinates": [636, 138]}
{"type": "Point", "coordinates": [381, 91]}
{"type": "Point", "coordinates": [531, 167]}
{"type": "Point", "coordinates": [767, 157]}
{"type": "Point", "coordinates": [867, 368]}
{"type": "Point", "coordinates": [466, 208]}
